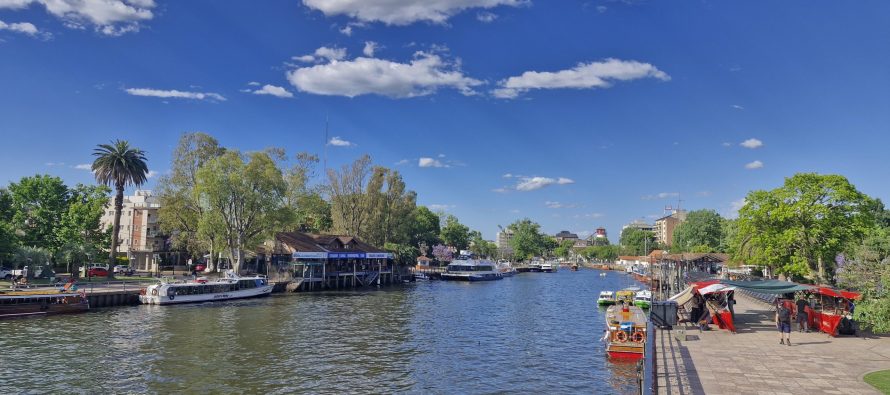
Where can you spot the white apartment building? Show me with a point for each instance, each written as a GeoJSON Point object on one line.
{"type": "Point", "coordinates": [139, 236]}
{"type": "Point", "coordinates": [503, 242]}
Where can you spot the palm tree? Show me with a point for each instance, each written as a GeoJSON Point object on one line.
{"type": "Point", "coordinates": [117, 164]}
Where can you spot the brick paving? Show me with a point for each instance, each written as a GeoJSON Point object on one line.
{"type": "Point", "coordinates": [753, 362]}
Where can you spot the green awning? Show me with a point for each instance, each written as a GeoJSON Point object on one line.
{"type": "Point", "coordinates": [769, 286]}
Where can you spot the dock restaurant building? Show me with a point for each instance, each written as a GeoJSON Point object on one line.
{"type": "Point", "coordinates": [332, 262]}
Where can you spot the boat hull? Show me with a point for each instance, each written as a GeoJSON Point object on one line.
{"type": "Point", "coordinates": [471, 278]}
{"type": "Point", "coordinates": [602, 302]}
{"type": "Point", "coordinates": [231, 295]}
{"type": "Point", "coordinates": [625, 352]}
{"type": "Point", "coordinates": [642, 305]}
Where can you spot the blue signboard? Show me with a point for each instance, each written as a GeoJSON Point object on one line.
{"type": "Point", "coordinates": [379, 255]}
{"type": "Point", "coordinates": [346, 255]}
{"type": "Point", "coordinates": [311, 255]}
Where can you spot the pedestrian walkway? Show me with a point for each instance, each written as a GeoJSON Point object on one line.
{"type": "Point", "coordinates": [753, 362]}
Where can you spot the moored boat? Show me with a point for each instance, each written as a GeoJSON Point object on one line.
{"type": "Point", "coordinates": [626, 295]}
{"type": "Point", "coordinates": [550, 267]}
{"type": "Point", "coordinates": [606, 298]}
{"type": "Point", "coordinates": [506, 268]}
{"type": "Point", "coordinates": [38, 303]}
{"type": "Point", "coordinates": [466, 268]}
{"type": "Point", "coordinates": [625, 331]}
{"type": "Point", "coordinates": [643, 299]}
{"type": "Point", "coordinates": [231, 286]}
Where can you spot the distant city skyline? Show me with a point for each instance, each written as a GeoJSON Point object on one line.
{"type": "Point", "coordinates": [574, 114]}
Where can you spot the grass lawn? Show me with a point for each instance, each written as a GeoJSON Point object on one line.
{"type": "Point", "coordinates": [879, 380]}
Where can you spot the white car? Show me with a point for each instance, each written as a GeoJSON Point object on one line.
{"type": "Point", "coordinates": [124, 269]}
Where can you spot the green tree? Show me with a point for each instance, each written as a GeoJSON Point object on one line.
{"type": "Point", "coordinates": [636, 241]}
{"type": "Point", "coordinates": [80, 230]}
{"type": "Point", "coordinates": [181, 212]}
{"type": "Point", "coordinates": [455, 234]}
{"type": "Point", "coordinates": [800, 227]}
{"type": "Point", "coordinates": [702, 230]}
{"type": "Point", "coordinates": [349, 205]}
{"type": "Point", "coordinates": [311, 213]}
{"type": "Point", "coordinates": [869, 272]}
{"type": "Point", "coordinates": [38, 204]}
{"type": "Point", "coordinates": [120, 165]}
{"type": "Point", "coordinates": [564, 250]}
{"type": "Point", "coordinates": [481, 247]}
{"type": "Point", "coordinates": [389, 208]}
{"type": "Point", "coordinates": [8, 239]}
{"type": "Point", "coordinates": [424, 227]}
{"type": "Point", "coordinates": [403, 254]}
{"type": "Point", "coordinates": [527, 241]}
{"type": "Point", "coordinates": [246, 198]}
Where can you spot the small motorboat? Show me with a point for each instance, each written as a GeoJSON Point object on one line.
{"type": "Point", "coordinates": [606, 298]}
{"type": "Point", "coordinates": [643, 299]}
{"type": "Point", "coordinates": [625, 331]}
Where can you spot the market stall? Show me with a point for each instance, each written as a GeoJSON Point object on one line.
{"type": "Point", "coordinates": [829, 308]}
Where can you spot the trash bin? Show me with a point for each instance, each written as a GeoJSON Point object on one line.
{"type": "Point", "coordinates": [663, 313]}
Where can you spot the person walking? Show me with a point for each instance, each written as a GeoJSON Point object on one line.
{"type": "Point", "coordinates": [783, 323]}
{"type": "Point", "coordinates": [803, 319]}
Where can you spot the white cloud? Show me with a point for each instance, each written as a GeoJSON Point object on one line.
{"type": "Point", "coordinates": [346, 30]}
{"type": "Point", "coordinates": [727, 144]}
{"type": "Point", "coordinates": [501, 190]}
{"type": "Point", "coordinates": [430, 162]}
{"type": "Point", "coordinates": [508, 175]}
{"type": "Point", "coordinates": [589, 215]}
{"type": "Point", "coordinates": [304, 58]}
{"type": "Point", "coordinates": [84, 166]}
{"type": "Point", "coordinates": [738, 107]}
{"type": "Point", "coordinates": [423, 75]}
{"type": "Point", "coordinates": [486, 17]}
{"type": "Point", "coordinates": [703, 193]}
{"type": "Point", "coordinates": [370, 48]}
{"type": "Point", "coordinates": [20, 27]}
{"type": "Point", "coordinates": [253, 83]}
{"type": "Point", "coordinates": [402, 162]}
{"type": "Point", "coordinates": [273, 90]}
{"type": "Point", "coordinates": [735, 206]}
{"type": "Point", "coordinates": [550, 204]}
{"type": "Point", "coordinates": [534, 183]}
{"type": "Point", "coordinates": [338, 142]}
{"type": "Point", "coordinates": [601, 9]}
{"type": "Point", "coordinates": [754, 165]}
{"type": "Point", "coordinates": [440, 207]}
{"type": "Point", "coordinates": [109, 17]}
{"type": "Point", "coordinates": [752, 143]}
{"type": "Point", "coordinates": [53, 164]}
{"type": "Point", "coordinates": [583, 76]}
{"type": "Point", "coordinates": [403, 12]}
{"type": "Point", "coordinates": [662, 195]}
{"type": "Point", "coordinates": [514, 211]}
{"type": "Point", "coordinates": [441, 155]}
{"type": "Point", "coordinates": [151, 173]}
{"type": "Point", "coordinates": [174, 94]}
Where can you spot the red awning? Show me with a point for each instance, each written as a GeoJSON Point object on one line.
{"type": "Point", "coordinates": [836, 293]}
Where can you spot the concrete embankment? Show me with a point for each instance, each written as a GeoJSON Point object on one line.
{"type": "Point", "coordinates": [752, 360]}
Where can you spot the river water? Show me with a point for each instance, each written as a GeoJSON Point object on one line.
{"type": "Point", "coordinates": [532, 333]}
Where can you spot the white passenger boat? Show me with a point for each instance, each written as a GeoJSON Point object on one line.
{"type": "Point", "coordinates": [506, 268]}
{"type": "Point", "coordinates": [230, 287]}
{"type": "Point", "coordinates": [468, 269]}
{"type": "Point", "coordinates": [550, 267]}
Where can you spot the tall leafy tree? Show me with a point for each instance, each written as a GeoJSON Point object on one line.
{"type": "Point", "coordinates": [528, 241]}
{"type": "Point", "coordinates": [455, 234]}
{"type": "Point", "coordinates": [702, 230]}
{"type": "Point", "coordinates": [119, 165]}
{"type": "Point", "coordinates": [424, 227]}
{"type": "Point", "coordinates": [801, 226]}
{"type": "Point", "coordinates": [636, 241]}
{"type": "Point", "coordinates": [868, 271]}
{"type": "Point", "coordinates": [245, 197]}
{"type": "Point", "coordinates": [80, 229]}
{"type": "Point", "coordinates": [38, 204]}
{"type": "Point", "coordinates": [349, 205]}
{"type": "Point", "coordinates": [311, 213]}
{"type": "Point", "coordinates": [181, 211]}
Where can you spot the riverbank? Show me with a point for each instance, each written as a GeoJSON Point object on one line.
{"type": "Point", "coordinates": [753, 361]}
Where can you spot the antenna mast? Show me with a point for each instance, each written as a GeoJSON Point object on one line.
{"type": "Point", "coordinates": [326, 145]}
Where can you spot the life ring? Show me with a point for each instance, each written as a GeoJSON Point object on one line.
{"type": "Point", "coordinates": [637, 337]}
{"type": "Point", "coordinates": [154, 292]}
{"type": "Point", "coordinates": [171, 293]}
{"type": "Point", "coordinates": [621, 336]}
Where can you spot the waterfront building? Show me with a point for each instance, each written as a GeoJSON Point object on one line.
{"type": "Point", "coordinates": [503, 242]}
{"type": "Point", "coordinates": [139, 234]}
{"type": "Point", "coordinates": [639, 225]}
{"type": "Point", "coordinates": [565, 235]}
{"type": "Point", "coordinates": [330, 261]}
{"type": "Point", "coordinates": [665, 226]}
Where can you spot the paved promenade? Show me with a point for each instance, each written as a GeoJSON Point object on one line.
{"type": "Point", "coordinates": [753, 362]}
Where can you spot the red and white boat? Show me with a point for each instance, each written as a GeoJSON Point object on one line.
{"type": "Point", "coordinates": [625, 331]}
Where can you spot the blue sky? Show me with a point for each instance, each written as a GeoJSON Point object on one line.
{"type": "Point", "coordinates": [600, 112]}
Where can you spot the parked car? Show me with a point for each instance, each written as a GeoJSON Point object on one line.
{"type": "Point", "coordinates": [125, 270]}
{"type": "Point", "coordinates": [5, 273]}
{"type": "Point", "coordinates": [97, 272]}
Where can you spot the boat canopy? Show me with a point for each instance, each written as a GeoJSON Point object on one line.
{"type": "Point", "coordinates": [714, 288]}
{"type": "Point", "coordinates": [769, 286]}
